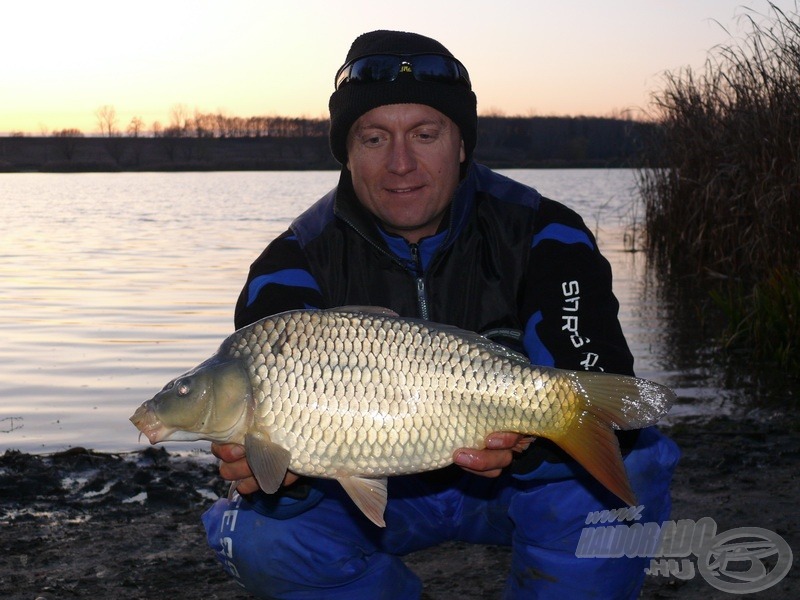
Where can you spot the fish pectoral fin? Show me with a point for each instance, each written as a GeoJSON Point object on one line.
{"type": "Point", "coordinates": [268, 461]}
{"type": "Point", "coordinates": [369, 495]}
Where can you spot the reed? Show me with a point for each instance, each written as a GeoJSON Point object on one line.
{"type": "Point", "coordinates": [721, 191]}
{"type": "Point", "coordinates": [765, 319]}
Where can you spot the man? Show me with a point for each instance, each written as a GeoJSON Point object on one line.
{"type": "Point", "coordinates": [416, 226]}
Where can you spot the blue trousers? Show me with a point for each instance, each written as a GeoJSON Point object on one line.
{"type": "Point", "coordinates": [329, 550]}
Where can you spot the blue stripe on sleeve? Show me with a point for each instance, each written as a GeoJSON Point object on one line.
{"type": "Point", "coordinates": [292, 277]}
{"type": "Point", "coordinates": [562, 233]}
{"type": "Point", "coordinates": [538, 354]}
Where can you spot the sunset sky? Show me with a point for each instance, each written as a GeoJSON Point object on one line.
{"type": "Point", "coordinates": [61, 61]}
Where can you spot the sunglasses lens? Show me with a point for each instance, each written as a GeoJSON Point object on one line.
{"type": "Point", "coordinates": [375, 68]}
{"type": "Point", "coordinates": [435, 68]}
{"type": "Point", "coordinates": [386, 67]}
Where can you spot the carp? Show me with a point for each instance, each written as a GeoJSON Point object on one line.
{"type": "Point", "coordinates": [359, 394]}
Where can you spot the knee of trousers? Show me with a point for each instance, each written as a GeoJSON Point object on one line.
{"type": "Point", "coordinates": [314, 555]}
{"type": "Point", "coordinates": [547, 511]}
{"type": "Point", "coordinates": [551, 557]}
{"type": "Point", "coordinates": [650, 467]}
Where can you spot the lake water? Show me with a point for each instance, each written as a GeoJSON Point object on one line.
{"type": "Point", "coordinates": [113, 284]}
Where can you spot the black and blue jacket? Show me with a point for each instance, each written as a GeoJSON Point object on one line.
{"type": "Point", "coordinates": [507, 262]}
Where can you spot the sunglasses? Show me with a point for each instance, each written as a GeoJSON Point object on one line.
{"type": "Point", "coordinates": [380, 68]}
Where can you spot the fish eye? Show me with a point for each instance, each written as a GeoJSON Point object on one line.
{"type": "Point", "coordinates": [184, 386]}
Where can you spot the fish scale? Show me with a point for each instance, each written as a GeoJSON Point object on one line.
{"type": "Point", "coordinates": [359, 394]}
{"type": "Point", "coordinates": [442, 391]}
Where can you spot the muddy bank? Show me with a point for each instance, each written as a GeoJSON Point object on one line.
{"type": "Point", "coordinates": [87, 525]}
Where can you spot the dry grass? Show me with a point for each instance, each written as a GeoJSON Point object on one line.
{"type": "Point", "coordinates": [725, 196]}
{"type": "Point", "coordinates": [722, 194]}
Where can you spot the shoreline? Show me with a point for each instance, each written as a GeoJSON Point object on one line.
{"type": "Point", "coordinates": [514, 142]}
{"type": "Point", "coordinates": [90, 524]}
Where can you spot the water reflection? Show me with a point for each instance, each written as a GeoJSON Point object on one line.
{"type": "Point", "coordinates": [706, 376]}
{"type": "Point", "coordinates": [115, 283]}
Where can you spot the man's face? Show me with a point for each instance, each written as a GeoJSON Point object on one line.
{"type": "Point", "coordinates": [404, 161]}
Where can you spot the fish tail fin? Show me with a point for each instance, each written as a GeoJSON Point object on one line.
{"type": "Point", "coordinates": [607, 402]}
{"type": "Point", "coordinates": [627, 402]}
{"type": "Point", "coordinates": [593, 444]}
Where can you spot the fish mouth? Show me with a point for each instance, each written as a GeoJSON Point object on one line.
{"type": "Point", "coordinates": [148, 423]}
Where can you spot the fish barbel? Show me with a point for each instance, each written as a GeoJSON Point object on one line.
{"type": "Point", "coordinates": [359, 394]}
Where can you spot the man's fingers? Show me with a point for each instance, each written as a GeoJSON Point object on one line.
{"type": "Point", "coordinates": [227, 452]}
{"type": "Point", "coordinates": [232, 471]}
{"type": "Point", "coordinates": [246, 486]}
{"type": "Point", "coordinates": [233, 466]}
{"type": "Point", "coordinates": [498, 454]}
{"type": "Point", "coordinates": [483, 462]}
{"type": "Point", "coordinates": [504, 440]}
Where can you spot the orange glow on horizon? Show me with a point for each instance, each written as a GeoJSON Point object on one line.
{"type": "Point", "coordinates": [249, 58]}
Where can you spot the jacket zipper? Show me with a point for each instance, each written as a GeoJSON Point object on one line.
{"type": "Point", "coordinates": [419, 276]}
{"type": "Point", "coordinates": [422, 294]}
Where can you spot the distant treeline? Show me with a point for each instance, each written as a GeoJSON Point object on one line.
{"type": "Point", "coordinates": [215, 142]}
{"type": "Point", "coordinates": [562, 141]}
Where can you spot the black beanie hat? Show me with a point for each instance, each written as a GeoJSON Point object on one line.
{"type": "Point", "coordinates": [349, 102]}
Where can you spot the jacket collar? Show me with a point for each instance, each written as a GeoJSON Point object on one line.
{"type": "Point", "coordinates": [348, 208]}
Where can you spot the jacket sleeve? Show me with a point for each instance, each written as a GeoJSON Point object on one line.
{"type": "Point", "coordinates": [279, 280]}
{"type": "Point", "coordinates": [569, 309]}
{"type": "Point", "coordinates": [571, 321]}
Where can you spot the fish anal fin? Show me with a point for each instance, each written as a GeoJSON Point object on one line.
{"type": "Point", "coordinates": [595, 446]}
{"type": "Point", "coordinates": [369, 495]}
{"type": "Point", "coordinates": [268, 461]}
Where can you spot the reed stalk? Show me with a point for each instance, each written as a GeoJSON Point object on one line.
{"type": "Point", "coordinates": [721, 191]}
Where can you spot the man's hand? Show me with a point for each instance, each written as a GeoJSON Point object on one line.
{"type": "Point", "coordinates": [234, 467]}
{"type": "Point", "coordinates": [496, 456]}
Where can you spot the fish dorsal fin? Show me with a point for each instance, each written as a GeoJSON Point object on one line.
{"type": "Point", "coordinates": [476, 339]}
{"type": "Point", "coordinates": [368, 494]}
{"type": "Point", "coordinates": [370, 310]}
{"type": "Point", "coordinates": [268, 461]}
